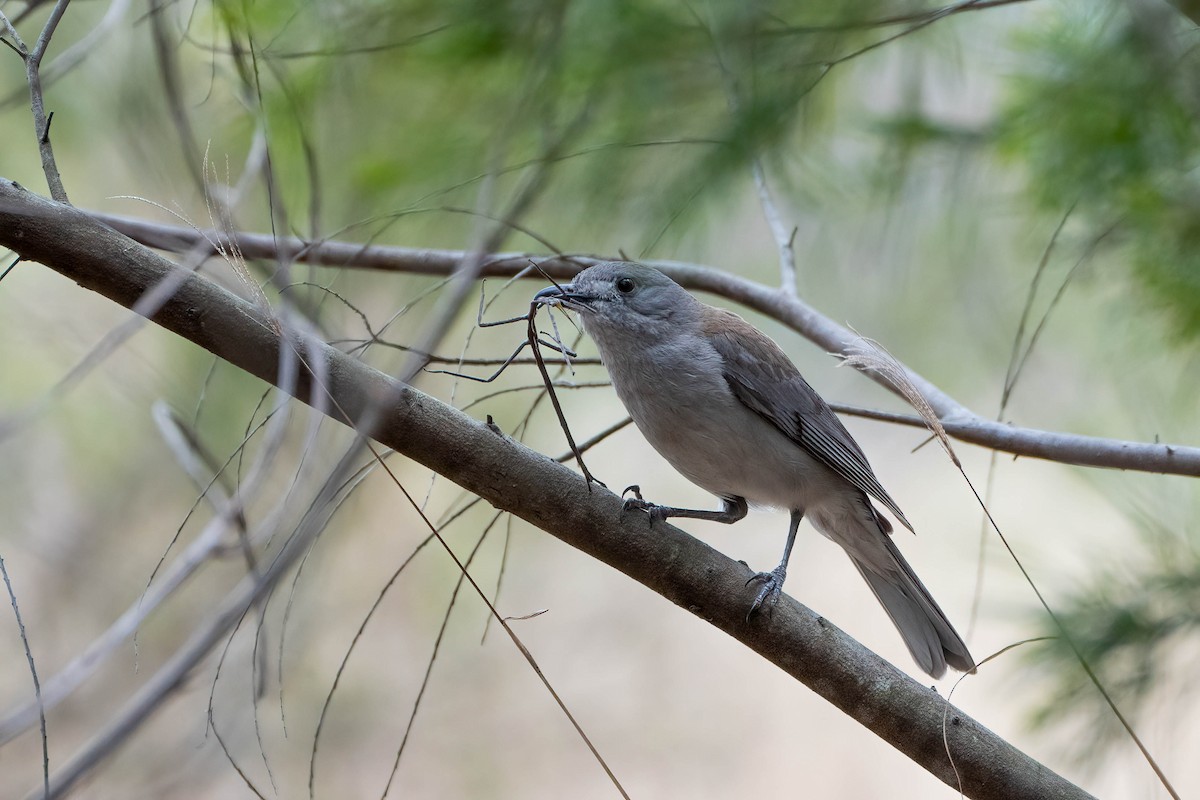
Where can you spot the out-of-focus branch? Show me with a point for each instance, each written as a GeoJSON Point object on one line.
{"type": "Point", "coordinates": [784, 239]}
{"type": "Point", "coordinates": [168, 71]}
{"type": "Point", "coordinates": [911, 717]}
{"type": "Point", "coordinates": [923, 16]}
{"type": "Point", "coordinates": [229, 612]}
{"type": "Point", "coordinates": [1189, 8]}
{"type": "Point", "coordinates": [960, 422]}
{"type": "Point", "coordinates": [79, 50]}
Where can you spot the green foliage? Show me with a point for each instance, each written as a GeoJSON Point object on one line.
{"type": "Point", "coordinates": [405, 105]}
{"type": "Point", "coordinates": [1105, 118]}
{"type": "Point", "coordinates": [1129, 621]}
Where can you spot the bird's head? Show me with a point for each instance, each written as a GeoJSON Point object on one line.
{"type": "Point", "coordinates": [619, 299]}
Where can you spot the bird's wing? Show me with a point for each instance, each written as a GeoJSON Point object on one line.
{"type": "Point", "coordinates": [764, 379]}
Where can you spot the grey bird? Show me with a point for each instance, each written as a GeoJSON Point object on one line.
{"type": "Point", "coordinates": [729, 410]}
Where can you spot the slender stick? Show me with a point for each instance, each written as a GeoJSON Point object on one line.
{"type": "Point", "coordinates": [41, 122]}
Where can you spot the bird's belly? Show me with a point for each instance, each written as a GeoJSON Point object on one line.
{"type": "Point", "coordinates": [717, 443]}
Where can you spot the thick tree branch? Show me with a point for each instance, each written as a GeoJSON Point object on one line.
{"type": "Point", "coordinates": [911, 717]}
{"type": "Point", "coordinates": [960, 422]}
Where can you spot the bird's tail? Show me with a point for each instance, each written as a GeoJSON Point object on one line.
{"type": "Point", "coordinates": [929, 636]}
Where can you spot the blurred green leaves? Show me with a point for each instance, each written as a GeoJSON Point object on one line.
{"type": "Point", "coordinates": [1132, 622]}
{"type": "Point", "coordinates": [1104, 115]}
{"type": "Point", "coordinates": [405, 104]}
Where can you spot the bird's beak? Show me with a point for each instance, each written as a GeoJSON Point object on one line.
{"type": "Point", "coordinates": [563, 295]}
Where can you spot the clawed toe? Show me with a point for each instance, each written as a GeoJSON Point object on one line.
{"type": "Point", "coordinates": [655, 512]}
{"type": "Point", "coordinates": [768, 595]}
{"type": "Point", "coordinates": [637, 503]}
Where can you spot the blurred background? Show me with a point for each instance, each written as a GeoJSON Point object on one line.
{"type": "Point", "coordinates": [975, 186]}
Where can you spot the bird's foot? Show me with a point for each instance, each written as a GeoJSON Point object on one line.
{"type": "Point", "coordinates": [772, 587]}
{"type": "Point", "coordinates": [637, 503]}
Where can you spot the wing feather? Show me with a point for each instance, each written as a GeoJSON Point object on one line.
{"type": "Point", "coordinates": [765, 380]}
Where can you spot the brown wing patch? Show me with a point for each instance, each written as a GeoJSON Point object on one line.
{"type": "Point", "coordinates": [766, 381]}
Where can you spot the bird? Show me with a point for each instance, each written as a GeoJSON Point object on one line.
{"type": "Point", "coordinates": [727, 408]}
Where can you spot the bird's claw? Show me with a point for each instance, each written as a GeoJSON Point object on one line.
{"type": "Point", "coordinates": [768, 595]}
{"type": "Point", "coordinates": [637, 503]}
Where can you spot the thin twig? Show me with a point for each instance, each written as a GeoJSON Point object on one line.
{"type": "Point", "coordinates": [549, 384]}
{"type": "Point", "coordinates": [167, 56]}
{"type": "Point", "coordinates": [588, 444]}
{"type": "Point", "coordinates": [37, 686]}
{"type": "Point", "coordinates": [1083, 662]}
{"type": "Point", "coordinates": [171, 675]}
{"type": "Point", "coordinates": [437, 646]}
{"type": "Point", "coordinates": [10, 268]}
{"type": "Point", "coordinates": [211, 720]}
{"type": "Point", "coordinates": [473, 262]}
{"type": "Point", "coordinates": [784, 239]}
{"type": "Point", "coordinates": [1010, 380]}
{"type": "Point", "coordinates": [10, 31]}
{"type": "Point", "coordinates": [558, 384]}
{"type": "Point", "coordinates": [228, 514]}
{"type": "Point", "coordinates": [74, 55]}
{"type": "Point", "coordinates": [41, 123]}
{"type": "Point", "coordinates": [919, 23]}
{"type": "Point", "coordinates": [931, 15]}
{"type": "Point", "coordinates": [362, 626]}
{"type": "Point", "coordinates": [503, 622]}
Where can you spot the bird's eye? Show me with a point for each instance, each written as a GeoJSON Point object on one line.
{"type": "Point", "coordinates": [625, 285]}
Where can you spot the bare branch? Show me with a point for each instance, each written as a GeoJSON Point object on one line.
{"type": "Point", "coordinates": [784, 239]}
{"type": "Point", "coordinates": [74, 55]}
{"type": "Point", "coordinates": [960, 421]}
{"type": "Point", "coordinates": [10, 31]}
{"type": "Point", "coordinates": [41, 122]}
{"type": "Point", "coordinates": [511, 477]}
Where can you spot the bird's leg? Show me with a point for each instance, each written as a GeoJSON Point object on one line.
{"type": "Point", "coordinates": [772, 582]}
{"type": "Point", "coordinates": [732, 509]}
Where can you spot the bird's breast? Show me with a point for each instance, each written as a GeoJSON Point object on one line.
{"type": "Point", "coordinates": [679, 399]}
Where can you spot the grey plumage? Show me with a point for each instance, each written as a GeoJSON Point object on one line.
{"type": "Point", "coordinates": [730, 411]}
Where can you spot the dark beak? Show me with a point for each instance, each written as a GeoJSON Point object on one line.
{"type": "Point", "coordinates": [559, 295]}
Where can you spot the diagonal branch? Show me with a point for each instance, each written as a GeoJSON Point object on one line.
{"type": "Point", "coordinates": [914, 719]}
{"type": "Point", "coordinates": [960, 421]}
